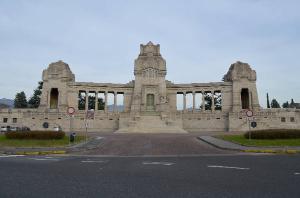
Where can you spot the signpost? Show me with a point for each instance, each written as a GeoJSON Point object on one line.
{"type": "Point", "coordinates": [71, 112]}
{"type": "Point", "coordinates": [249, 114]}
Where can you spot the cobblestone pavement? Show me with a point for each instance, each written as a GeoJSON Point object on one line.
{"type": "Point", "coordinates": [149, 144]}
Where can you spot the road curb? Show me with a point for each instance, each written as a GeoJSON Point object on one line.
{"type": "Point", "coordinates": [248, 150]}
{"type": "Point", "coordinates": [217, 146]}
{"type": "Point", "coordinates": [39, 152]}
{"type": "Point", "coordinates": [272, 151]}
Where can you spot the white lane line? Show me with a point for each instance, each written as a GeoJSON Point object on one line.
{"type": "Point", "coordinates": [94, 161]}
{"type": "Point", "coordinates": [99, 138]}
{"type": "Point", "coordinates": [228, 167]}
{"type": "Point", "coordinates": [296, 173]}
{"type": "Point", "coordinates": [44, 159]}
{"type": "Point", "coordinates": [159, 163]}
{"type": "Point", "coordinates": [5, 156]}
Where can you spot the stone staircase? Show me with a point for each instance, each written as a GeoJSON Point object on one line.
{"type": "Point", "coordinates": [150, 123]}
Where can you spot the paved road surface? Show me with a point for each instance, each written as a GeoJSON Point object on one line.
{"type": "Point", "coordinates": [217, 175]}
{"type": "Point", "coordinates": [151, 144]}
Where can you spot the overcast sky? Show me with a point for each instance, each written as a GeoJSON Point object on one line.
{"type": "Point", "coordinates": [199, 40]}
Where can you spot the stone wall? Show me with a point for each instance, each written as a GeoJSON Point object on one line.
{"type": "Point", "coordinates": [150, 101]}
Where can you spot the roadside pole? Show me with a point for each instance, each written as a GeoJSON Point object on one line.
{"type": "Point", "coordinates": [71, 112]}
{"type": "Point", "coordinates": [249, 115]}
{"type": "Point", "coordinates": [249, 124]}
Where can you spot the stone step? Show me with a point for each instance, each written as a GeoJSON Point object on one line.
{"type": "Point", "coordinates": [152, 124]}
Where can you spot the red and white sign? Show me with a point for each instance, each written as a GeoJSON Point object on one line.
{"type": "Point", "coordinates": [249, 113]}
{"type": "Point", "coordinates": [71, 110]}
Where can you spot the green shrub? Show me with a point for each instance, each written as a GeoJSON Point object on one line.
{"type": "Point", "coordinates": [38, 135]}
{"type": "Point", "coordinates": [274, 134]}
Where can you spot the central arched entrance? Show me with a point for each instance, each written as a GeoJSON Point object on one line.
{"type": "Point", "coordinates": [150, 102]}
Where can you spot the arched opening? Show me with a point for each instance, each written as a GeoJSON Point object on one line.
{"type": "Point", "coordinates": [54, 98]}
{"type": "Point", "coordinates": [245, 98]}
{"type": "Point", "coordinates": [150, 102]}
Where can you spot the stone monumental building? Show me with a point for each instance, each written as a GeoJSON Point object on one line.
{"type": "Point", "coordinates": [149, 103]}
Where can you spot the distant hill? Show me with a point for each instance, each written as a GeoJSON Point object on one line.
{"type": "Point", "coordinates": [6, 103]}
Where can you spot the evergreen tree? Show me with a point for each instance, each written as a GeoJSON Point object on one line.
{"type": "Point", "coordinates": [81, 101]}
{"type": "Point", "coordinates": [20, 100]}
{"type": "Point", "coordinates": [91, 102]}
{"type": "Point", "coordinates": [34, 101]}
{"type": "Point", "coordinates": [208, 98]}
{"type": "Point", "coordinates": [275, 104]}
{"type": "Point", "coordinates": [285, 105]}
{"type": "Point", "coordinates": [101, 104]}
{"type": "Point", "coordinates": [268, 101]}
{"type": "Point", "coordinates": [292, 105]}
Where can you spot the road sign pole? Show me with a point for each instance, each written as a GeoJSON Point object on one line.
{"type": "Point", "coordinates": [249, 123]}
{"type": "Point", "coordinates": [71, 112]}
{"type": "Point", "coordinates": [249, 115]}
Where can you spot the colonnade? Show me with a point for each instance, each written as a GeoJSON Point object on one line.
{"type": "Point", "coordinates": [96, 99]}
{"type": "Point", "coordinates": [213, 96]}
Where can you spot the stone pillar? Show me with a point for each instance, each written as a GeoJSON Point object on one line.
{"type": "Point", "coordinates": [115, 101]}
{"type": "Point", "coordinates": [48, 100]}
{"type": "Point", "coordinates": [184, 101]}
{"type": "Point", "coordinates": [96, 101]}
{"type": "Point", "coordinates": [86, 100]}
{"type": "Point", "coordinates": [194, 101]}
{"type": "Point", "coordinates": [203, 101]}
{"type": "Point", "coordinates": [212, 101]}
{"type": "Point", "coordinates": [105, 106]}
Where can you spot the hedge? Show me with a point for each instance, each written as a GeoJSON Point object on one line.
{"type": "Point", "coordinates": [38, 135]}
{"type": "Point", "coordinates": [274, 134]}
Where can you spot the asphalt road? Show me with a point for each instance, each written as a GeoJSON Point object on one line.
{"type": "Point", "coordinates": [216, 175]}
{"type": "Point", "coordinates": [151, 144]}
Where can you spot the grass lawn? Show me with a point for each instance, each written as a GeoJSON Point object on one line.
{"type": "Point", "coordinates": [240, 139]}
{"type": "Point", "coordinates": [4, 142]}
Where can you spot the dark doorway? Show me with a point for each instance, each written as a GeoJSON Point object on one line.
{"type": "Point", "coordinates": [245, 98]}
{"type": "Point", "coordinates": [54, 98]}
{"type": "Point", "coordinates": [150, 102]}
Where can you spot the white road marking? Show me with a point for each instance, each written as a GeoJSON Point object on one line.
{"type": "Point", "coordinates": [44, 159]}
{"type": "Point", "coordinates": [228, 167]}
{"type": "Point", "coordinates": [99, 138]}
{"type": "Point", "coordinates": [296, 173]}
{"type": "Point", "coordinates": [94, 161]}
{"type": "Point", "coordinates": [159, 163]}
{"type": "Point", "coordinates": [5, 156]}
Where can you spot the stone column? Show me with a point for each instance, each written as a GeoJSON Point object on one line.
{"type": "Point", "coordinates": [96, 101]}
{"type": "Point", "coordinates": [184, 101]}
{"type": "Point", "coordinates": [194, 101]}
{"type": "Point", "coordinates": [115, 101]}
{"type": "Point", "coordinates": [48, 100]}
{"type": "Point", "coordinates": [86, 100]}
{"type": "Point", "coordinates": [105, 106]}
{"type": "Point", "coordinates": [203, 101]}
{"type": "Point", "coordinates": [212, 101]}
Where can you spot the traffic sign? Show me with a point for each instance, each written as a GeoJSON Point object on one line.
{"type": "Point", "coordinates": [249, 113]}
{"type": "Point", "coordinates": [253, 124]}
{"type": "Point", "coordinates": [71, 110]}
